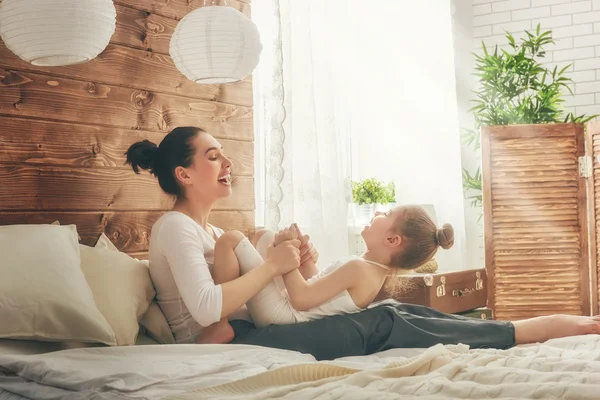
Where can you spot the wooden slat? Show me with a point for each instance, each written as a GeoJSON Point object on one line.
{"type": "Point", "coordinates": [89, 189]}
{"type": "Point", "coordinates": [501, 226]}
{"type": "Point", "coordinates": [524, 271]}
{"type": "Point", "coordinates": [510, 161]}
{"type": "Point", "coordinates": [527, 153]}
{"type": "Point", "coordinates": [543, 143]}
{"type": "Point", "coordinates": [534, 262]}
{"type": "Point", "coordinates": [177, 9]}
{"type": "Point", "coordinates": [593, 150]}
{"type": "Point", "coordinates": [143, 30]}
{"type": "Point", "coordinates": [525, 253]}
{"type": "Point", "coordinates": [137, 69]}
{"type": "Point", "coordinates": [552, 278]}
{"type": "Point", "coordinates": [536, 169]}
{"type": "Point", "coordinates": [528, 246]}
{"type": "Point", "coordinates": [535, 220]}
{"type": "Point", "coordinates": [539, 131]}
{"type": "Point", "coordinates": [129, 231]}
{"type": "Point", "coordinates": [565, 210]}
{"type": "Point", "coordinates": [41, 96]}
{"type": "Point", "coordinates": [52, 143]}
{"type": "Point", "coordinates": [534, 207]}
{"type": "Point", "coordinates": [509, 257]}
{"type": "Point", "coordinates": [508, 202]}
{"type": "Point", "coordinates": [550, 189]}
{"type": "Point", "coordinates": [546, 230]}
{"type": "Point", "coordinates": [543, 179]}
{"type": "Point", "coordinates": [533, 238]}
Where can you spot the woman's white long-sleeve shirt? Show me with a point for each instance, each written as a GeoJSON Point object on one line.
{"type": "Point", "coordinates": [181, 259]}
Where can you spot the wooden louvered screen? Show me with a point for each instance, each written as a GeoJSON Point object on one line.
{"type": "Point", "coordinates": [593, 150]}
{"type": "Point", "coordinates": [535, 220]}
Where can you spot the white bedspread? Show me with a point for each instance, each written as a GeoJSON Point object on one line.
{"type": "Point", "coordinates": [560, 369]}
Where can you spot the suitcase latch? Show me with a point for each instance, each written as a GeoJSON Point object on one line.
{"type": "Point", "coordinates": [428, 280]}
{"type": "Point", "coordinates": [441, 290]}
{"type": "Point", "coordinates": [478, 282]}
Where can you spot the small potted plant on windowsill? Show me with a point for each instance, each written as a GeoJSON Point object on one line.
{"type": "Point", "coordinates": [371, 195]}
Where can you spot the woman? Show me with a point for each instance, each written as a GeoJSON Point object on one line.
{"type": "Point", "coordinates": [190, 165]}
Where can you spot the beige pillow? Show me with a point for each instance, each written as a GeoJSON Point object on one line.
{"type": "Point", "coordinates": [153, 320]}
{"type": "Point", "coordinates": [105, 243]}
{"type": "Point", "coordinates": [122, 289]}
{"type": "Point", "coordinates": [43, 292]}
{"type": "Point", "coordinates": [156, 325]}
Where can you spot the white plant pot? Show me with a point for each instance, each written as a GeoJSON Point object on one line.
{"type": "Point", "coordinates": [384, 207]}
{"type": "Point", "coordinates": [362, 214]}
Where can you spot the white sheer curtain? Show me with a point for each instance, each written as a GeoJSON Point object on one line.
{"type": "Point", "coordinates": [302, 121]}
{"type": "Point", "coordinates": [379, 74]}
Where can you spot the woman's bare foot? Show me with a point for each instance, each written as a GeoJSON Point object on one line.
{"type": "Point", "coordinates": [541, 329]}
{"type": "Point", "coordinates": [218, 333]}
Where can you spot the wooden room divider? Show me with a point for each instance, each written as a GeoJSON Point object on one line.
{"type": "Point", "coordinates": [540, 219]}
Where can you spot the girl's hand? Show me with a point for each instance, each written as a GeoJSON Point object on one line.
{"type": "Point", "coordinates": [308, 253]}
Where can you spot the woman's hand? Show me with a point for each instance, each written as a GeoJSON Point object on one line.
{"type": "Point", "coordinates": [285, 257]}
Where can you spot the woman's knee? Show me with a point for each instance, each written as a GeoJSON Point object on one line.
{"type": "Point", "coordinates": [230, 239]}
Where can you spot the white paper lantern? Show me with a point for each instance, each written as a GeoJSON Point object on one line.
{"type": "Point", "coordinates": [57, 32]}
{"type": "Point", "coordinates": [215, 44]}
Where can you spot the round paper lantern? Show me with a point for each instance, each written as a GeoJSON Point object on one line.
{"type": "Point", "coordinates": [215, 44]}
{"type": "Point", "coordinates": [57, 32]}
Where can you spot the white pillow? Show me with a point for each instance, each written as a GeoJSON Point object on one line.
{"type": "Point", "coordinates": [43, 292]}
{"type": "Point", "coordinates": [122, 289]}
{"type": "Point", "coordinates": [153, 320]}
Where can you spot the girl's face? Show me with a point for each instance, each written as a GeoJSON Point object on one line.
{"type": "Point", "coordinates": [381, 233]}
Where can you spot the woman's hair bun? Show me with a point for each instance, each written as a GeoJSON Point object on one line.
{"type": "Point", "coordinates": [142, 155]}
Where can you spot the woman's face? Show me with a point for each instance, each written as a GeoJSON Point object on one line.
{"type": "Point", "coordinates": [210, 174]}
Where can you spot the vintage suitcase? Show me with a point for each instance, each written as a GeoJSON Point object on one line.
{"type": "Point", "coordinates": [449, 292]}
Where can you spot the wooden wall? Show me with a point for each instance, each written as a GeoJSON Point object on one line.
{"type": "Point", "coordinates": [63, 131]}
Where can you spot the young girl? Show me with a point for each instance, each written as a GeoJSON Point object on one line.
{"type": "Point", "coordinates": [403, 238]}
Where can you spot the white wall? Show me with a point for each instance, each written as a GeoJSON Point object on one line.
{"type": "Point", "coordinates": [575, 27]}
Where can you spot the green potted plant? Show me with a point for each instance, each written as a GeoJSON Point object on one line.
{"type": "Point", "coordinates": [516, 89]}
{"type": "Point", "coordinates": [370, 195]}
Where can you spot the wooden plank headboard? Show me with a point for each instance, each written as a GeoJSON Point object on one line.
{"type": "Point", "coordinates": [64, 131]}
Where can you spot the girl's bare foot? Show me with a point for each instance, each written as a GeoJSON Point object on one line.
{"type": "Point", "coordinates": [541, 329]}
{"type": "Point", "coordinates": [283, 235]}
{"type": "Point", "coordinates": [218, 333]}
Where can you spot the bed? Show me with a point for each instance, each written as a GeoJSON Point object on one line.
{"type": "Point", "coordinates": [563, 369]}
{"type": "Point", "coordinates": [80, 322]}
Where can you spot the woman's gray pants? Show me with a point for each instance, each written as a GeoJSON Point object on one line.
{"type": "Point", "coordinates": [380, 328]}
